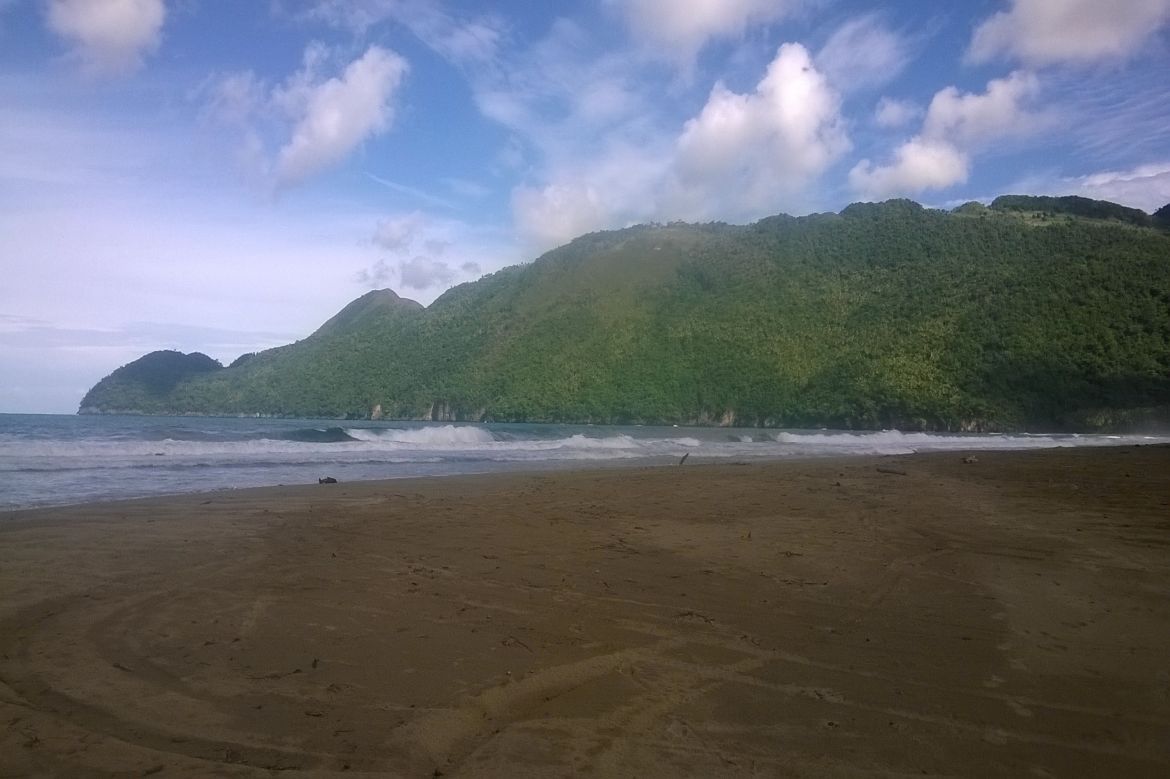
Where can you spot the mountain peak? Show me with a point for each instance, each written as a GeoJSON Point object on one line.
{"type": "Point", "coordinates": [375, 303]}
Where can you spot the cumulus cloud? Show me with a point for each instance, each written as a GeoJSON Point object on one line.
{"type": "Point", "coordinates": [743, 155]}
{"type": "Point", "coordinates": [681, 28]}
{"type": "Point", "coordinates": [919, 164]}
{"type": "Point", "coordinates": [748, 150]}
{"type": "Point", "coordinates": [109, 36]}
{"type": "Point", "coordinates": [863, 53]}
{"type": "Point", "coordinates": [970, 119]}
{"type": "Point", "coordinates": [596, 155]}
{"type": "Point", "coordinates": [956, 125]}
{"type": "Point", "coordinates": [1043, 32]}
{"type": "Point", "coordinates": [334, 116]}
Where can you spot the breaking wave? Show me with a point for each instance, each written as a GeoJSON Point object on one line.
{"type": "Point", "coordinates": [60, 459]}
{"type": "Point", "coordinates": [316, 435]}
{"type": "Point", "coordinates": [439, 437]}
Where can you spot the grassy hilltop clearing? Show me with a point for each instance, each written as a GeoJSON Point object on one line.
{"type": "Point", "coordinates": [1039, 313]}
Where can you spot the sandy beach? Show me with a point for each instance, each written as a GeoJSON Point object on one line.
{"type": "Point", "coordinates": [883, 616]}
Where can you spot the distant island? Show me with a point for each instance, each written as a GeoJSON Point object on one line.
{"type": "Point", "coordinates": [1039, 313]}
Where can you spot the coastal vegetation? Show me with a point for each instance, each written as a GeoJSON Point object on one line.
{"type": "Point", "coordinates": [1034, 312]}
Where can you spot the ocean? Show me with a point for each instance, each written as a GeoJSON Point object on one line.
{"type": "Point", "coordinates": [48, 460]}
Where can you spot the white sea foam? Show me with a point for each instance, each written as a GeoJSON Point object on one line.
{"type": "Point", "coordinates": [435, 437]}
{"type": "Point", "coordinates": [468, 440]}
{"type": "Point", "coordinates": [580, 441]}
{"type": "Point", "coordinates": [61, 459]}
{"type": "Point", "coordinates": [897, 442]}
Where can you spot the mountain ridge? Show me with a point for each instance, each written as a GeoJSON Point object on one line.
{"type": "Point", "coordinates": [1048, 313]}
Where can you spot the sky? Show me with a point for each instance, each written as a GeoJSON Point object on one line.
{"type": "Point", "coordinates": [224, 175]}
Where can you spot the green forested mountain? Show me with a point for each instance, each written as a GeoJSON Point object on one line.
{"type": "Point", "coordinates": [1044, 313]}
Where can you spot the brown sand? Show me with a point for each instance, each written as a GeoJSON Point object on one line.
{"type": "Point", "coordinates": [1004, 617]}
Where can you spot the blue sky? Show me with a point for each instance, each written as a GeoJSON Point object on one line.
{"type": "Point", "coordinates": [223, 176]}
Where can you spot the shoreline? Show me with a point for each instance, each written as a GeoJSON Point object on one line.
{"type": "Point", "coordinates": [563, 466]}
{"type": "Point", "coordinates": [789, 617]}
{"type": "Point", "coordinates": [53, 462]}
{"type": "Point", "coordinates": [9, 513]}
{"type": "Point", "coordinates": [531, 469]}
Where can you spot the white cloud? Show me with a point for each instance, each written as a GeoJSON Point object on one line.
{"type": "Point", "coordinates": [1146, 187]}
{"type": "Point", "coordinates": [956, 125]}
{"type": "Point", "coordinates": [109, 36]}
{"type": "Point", "coordinates": [336, 115]}
{"type": "Point", "coordinates": [741, 157]}
{"type": "Point", "coordinates": [744, 152]}
{"type": "Point", "coordinates": [679, 29]}
{"type": "Point", "coordinates": [970, 119]}
{"type": "Point", "coordinates": [557, 212]}
{"type": "Point", "coordinates": [892, 113]}
{"type": "Point", "coordinates": [919, 164]}
{"type": "Point", "coordinates": [862, 53]}
{"type": "Point", "coordinates": [313, 121]}
{"type": "Point", "coordinates": [1043, 32]}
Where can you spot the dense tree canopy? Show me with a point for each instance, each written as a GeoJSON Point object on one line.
{"type": "Point", "coordinates": [1036, 312]}
{"type": "Point", "coordinates": [142, 383]}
